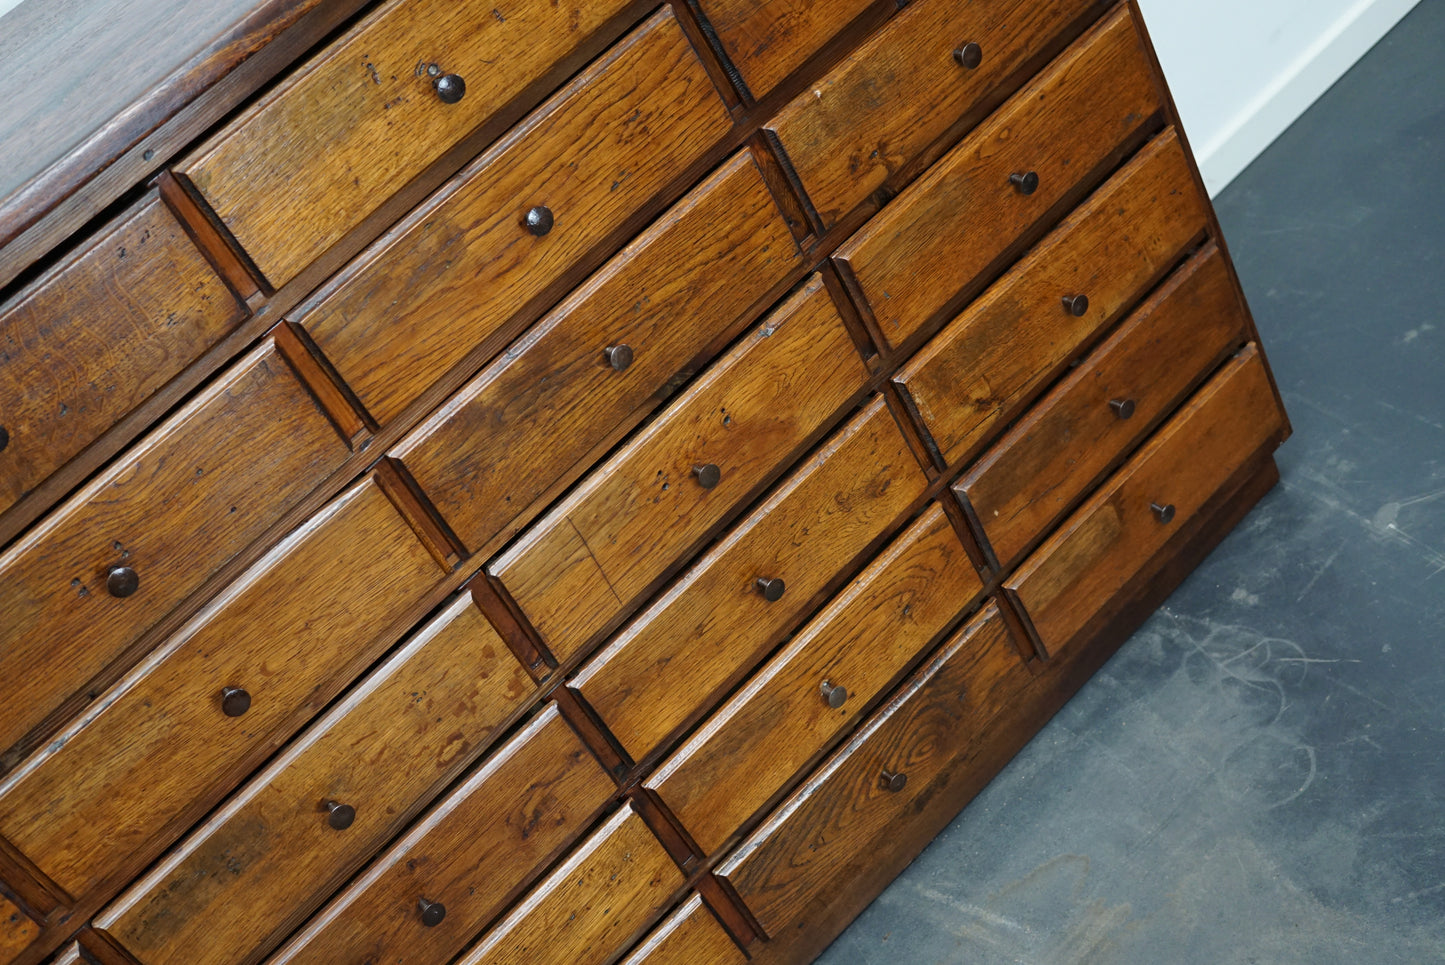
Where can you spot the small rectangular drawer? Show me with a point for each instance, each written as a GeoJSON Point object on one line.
{"type": "Point", "coordinates": [853, 131]}
{"type": "Point", "coordinates": [938, 235]}
{"type": "Point", "coordinates": [95, 575]}
{"type": "Point", "coordinates": [328, 146]}
{"type": "Point", "coordinates": [592, 906]}
{"type": "Point", "coordinates": [615, 534]}
{"type": "Point", "coordinates": [689, 936]}
{"type": "Point", "coordinates": [819, 683]}
{"type": "Point", "coordinates": [663, 304]}
{"type": "Point", "coordinates": [833, 826]}
{"type": "Point", "coordinates": [708, 630]}
{"type": "Point", "coordinates": [285, 841]}
{"type": "Point", "coordinates": [1097, 554]}
{"type": "Point", "coordinates": [1084, 425]}
{"type": "Point", "coordinates": [285, 634]}
{"type": "Point", "coordinates": [986, 364]}
{"type": "Point", "coordinates": [446, 279]}
{"type": "Point", "coordinates": [766, 40]}
{"type": "Point", "coordinates": [97, 335]}
{"type": "Point", "coordinates": [475, 850]}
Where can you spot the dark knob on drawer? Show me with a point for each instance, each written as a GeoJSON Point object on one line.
{"type": "Point", "coordinates": [1026, 183]}
{"type": "Point", "coordinates": [890, 781]}
{"type": "Point", "coordinates": [1077, 305]}
{"type": "Point", "coordinates": [450, 88]}
{"type": "Point", "coordinates": [4, 438]}
{"type": "Point", "coordinates": [235, 701]}
{"type": "Point", "coordinates": [539, 220]}
{"type": "Point", "coordinates": [772, 589]}
{"type": "Point", "coordinates": [1123, 408]}
{"type": "Point", "coordinates": [1165, 513]}
{"type": "Point", "coordinates": [708, 475]}
{"type": "Point", "coordinates": [618, 356]}
{"type": "Point", "coordinates": [121, 581]}
{"type": "Point", "coordinates": [432, 912]}
{"type": "Point", "coordinates": [339, 815]}
{"type": "Point", "coordinates": [970, 55]}
{"type": "Point", "coordinates": [835, 695]}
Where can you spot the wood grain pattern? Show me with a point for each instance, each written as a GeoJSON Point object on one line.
{"type": "Point", "coordinates": [712, 626]}
{"type": "Point", "coordinates": [473, 851]}
{"type": "Point", "coordinates": [181, 503]}
{"type": "Point", "coordinates": [689, 936]}
{"type": "Point", "coordinates": [17, 930]}
{"type": "Point", "coordinates": [928, 245]}
{"type": "Point", "coordinates": [865, 638]}
{"type": "Point", "coordinates": [987, 364]}
{"type": "Point", "coordinates": [260, 864]}
{"type": "Point", "coordinates": [312, 609]}
{"type": "Point", "coordinates": [766, 40]}
{"type": "Point", "coordinates": [452, 273]}
{"type": "Point", "coordinates": [601, 547]}
{"type": "Point", "coordinates": [670, 297]}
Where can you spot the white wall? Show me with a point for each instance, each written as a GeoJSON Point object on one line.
{"type": "Point", "coordinates": [1243, 70]}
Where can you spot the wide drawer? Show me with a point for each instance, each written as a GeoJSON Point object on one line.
{"type": "Point", "coordinates": [88, 581]}
{"type": "Point", "coordinates": [831, 828]}
{"type": "Point", "coordinates": [511, 225]}
{"type": "Point", "coordinates": [952, 223]}
{"type": "Point", "coordinates": [587, 371]}
{"type": "Point", "coordinates": [97, 335]}
{"type": "Point", "coordinates": [425, 898]}
{"type": "Point", "coordinates": [1060, 449]}
{"type": "Point", "coordinates": [284, 842]}
{"type": "Point", "coordinates": [819, 683]}
{"type": "Point", "coordinates": [615, 534]}
{"type": "Point", "coordinates": [1096, 554]}
{"type": "Point", "coordinates": [334, 141]}
{"type": "Point", "coordinates": [986, 364]}
{"type": "Point", "coordinates": [708, 630]}
{"type": "Point", "coordinates": [279, 641]}
{"type": "Point", "coordinates": [765, 40]}
{"type": "Point", "coordinates": [689, 936]}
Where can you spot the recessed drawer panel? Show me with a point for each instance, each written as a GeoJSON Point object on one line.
{"type": "Point", "coordinates": [88, 581]}
{"type": "Point", "coordinates": [768, 39]}
{"type": "Point", "coordinates": [618, 531]}
{"type": "Point", "coordinates": [689, 936]}
{"type": "Point", "coordinates": [706, 631]}
{"type": "Point", "coordinates": [97, 335]}
{"type": "Point", "coordinates": [589, 369]}
{"type": "Point", "coordinates": [425, 898]}
{"type": "Point", "coordinates": [280, 639]}
{"type": "Point", "coordinates": [1098, 552]}
{"type": "Point", "coordinates": [519, 218]}
{"type": "Point", "coordinates": [831, 828]}
{"type": "Point", "coordinates": [1060, 449]}
{"type": "Point", "coordinates": [952, 223]}
{"type": "Point", "coordinates": [986, 364]}
{"type": "Point", "coordinates": [284, 842]}
{"type": "Point", "coordinates": [334, 141]}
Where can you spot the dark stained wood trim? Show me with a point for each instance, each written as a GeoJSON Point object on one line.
{"type": "Point", "coordinates": [213, 242]}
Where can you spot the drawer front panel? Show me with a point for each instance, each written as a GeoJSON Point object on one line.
{"type": "Point", "coordinates": [471, 852]}
{"type": "Point", "coordinates": [677, 659]}
{"type": "Point", "coordinates": [621, 528]}
{"type": "Point", "coordinates": [986, 364]}
{"type": "Point", "coordinates": [276, 848]}
{"type": "Point", "coordinates": [164, 736]}
{"type": "Point", "coordinates": [342, 135]}
{"type": "Point", "coordinates": [1060, 449]}
{"type": "Point", "coordinates": [180, 504]}
{"type": "Point", "coordinates": [689, 936]}
{"type": "Point", "coordinates": [766, 40]}
{"type": "Point", "coordinates": [831, 827]}
{"type": "Point", "coordinates": [848, 134]}
{"type": "Point", "coordinates": [948, 226]}
{"type": "Point", "coordinates": [453, 273]}
{"type": "Point", "coordinates": [784, 716]}
{"type": "Point", "coordinates": [90, 341]}
{"type": "Point", "coordinates": [1096, 554]}
{"type": "Point", "coordinates": [554, 396]}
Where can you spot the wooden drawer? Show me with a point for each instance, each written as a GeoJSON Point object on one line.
{"type": "Point", "coordinates": [86, 583]}
{"type": "Point", "coordinates": [766, 40]}
{"type": "Point", "coordinates": [97, 335]}
{"type": "Point", "coordinates": [831, 827]}
{"type": "Point", "coordinates": [663, 304]}
{"type": "Point", "coordinates": [854, 130]}
{"type": "Point", "coordinates": [592, 906]}
{"type": "Point", "coordinates": [334, 141]}
{"type": "Point", "coordinates": [447, 278]}
{"type": "Point", "coordinates": [689, 936]}
{"type": "Point", "coordinates": [977, 373]}
{"type": "Point", "coordinates": [1098, 552]}
{"type": "Point", "coordinates": [287, 633]}
{"type": "Point", "coordinates": [1063, 446]}
{"type": "Point", "coordinates": [426, 897]}
{"type": "Point", "coordinates": [786, 715]}
{"type": "Point", "coordinates": [17, 930]}
{"type": "Point", "coordinates": [710, 628]}
{"type": "Point", "coordinates": [616, 533]}
{"type": "Point", "coordinates": [952, 223]}
{"type": "Point", "coordinates": [287, 839]}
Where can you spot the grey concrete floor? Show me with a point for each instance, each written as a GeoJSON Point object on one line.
{"type": "Point", "coordinates": [1257, 775]}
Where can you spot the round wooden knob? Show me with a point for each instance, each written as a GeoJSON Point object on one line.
{"type": "Point", "coordinates": [618, 356]}
{"type": "Point", "coordinates": [235, 701]}
{"type": "Point", "coordinates": [1123, 408]}
{"type": "Point", "coordinates": [339, 815]}
{"type": "Point", "coordinates": [1077, 305]}
{"type": "Point", "coordinates": [707, 475]}
{"type": "Point", "coordinates": [772, 589]}
{"type": "Point", "coordinates": [890, 781]}
{"type": "Point", "coordinates": [121, 581]}
{"type": "Point", "coordinates": [970, 55]}
{"type": "Point", "coordinates": [450, 88]}
{"type": "Point", "coordinates": [1026, 183]}
{"type": "Point", "coordinates": [4, 438]}
{"type": "Point", "coordinates": [432, 912]}
{"type": "Point", "coordinates": [539, 220]}
{"type": "Point", "coordinates": [835, 695]}
{"type": "Point", "coordinates": [1165, 513]}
